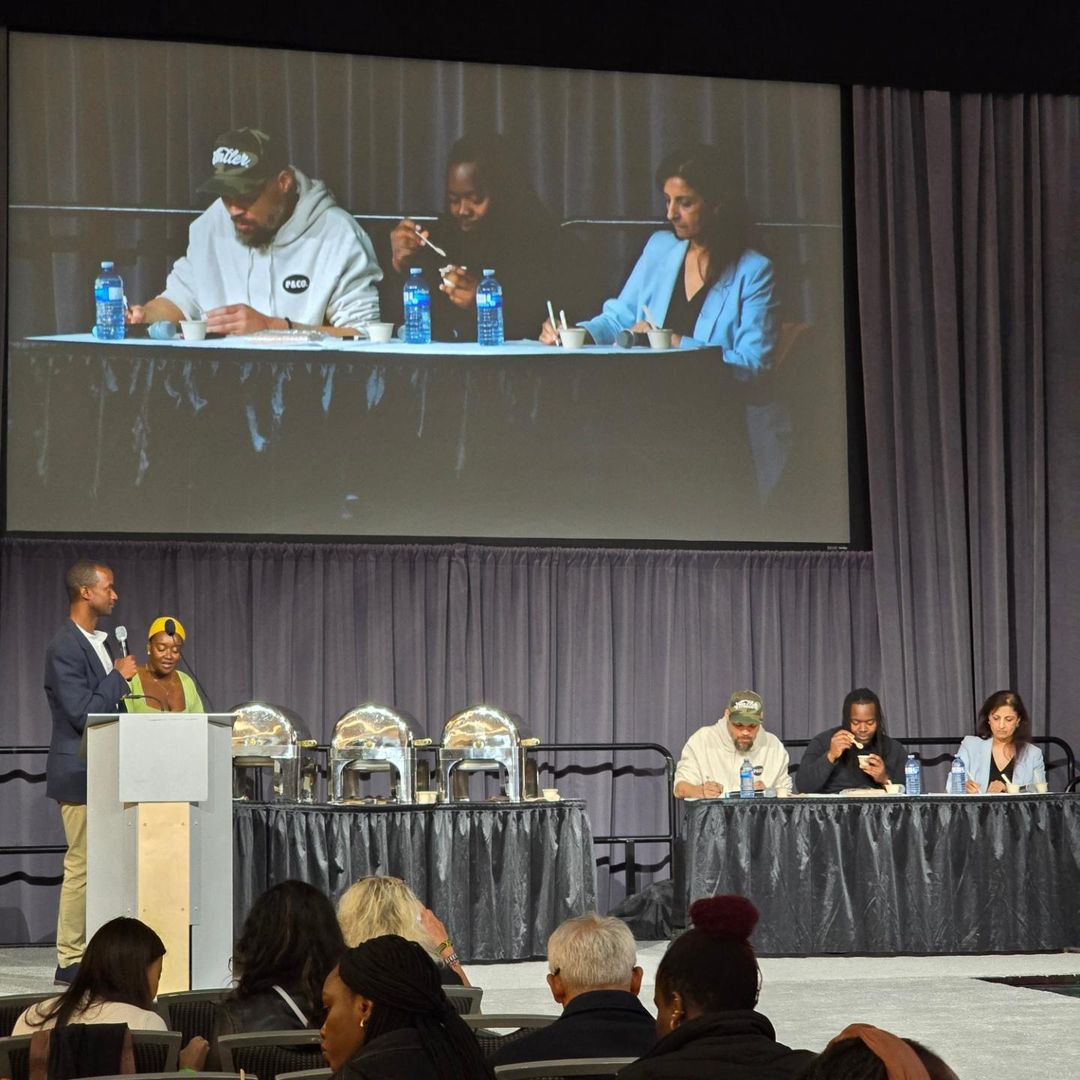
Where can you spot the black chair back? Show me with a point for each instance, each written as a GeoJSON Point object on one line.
{"type": "Point", "coordinates": [465, 999]}
{"type": "Point", "coordinates": [191, 1012]}
{"type": "Point", "coordinates": [12, 1006]}
{"type": "Point", "coordinates": [491, 1040]}
{"type": "Point", "coordinates": [271, 1053]}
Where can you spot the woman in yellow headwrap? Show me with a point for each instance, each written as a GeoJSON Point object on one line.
{"type": "Point", "coordinates": [158, 686]}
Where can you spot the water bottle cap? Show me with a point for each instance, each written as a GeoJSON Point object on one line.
{"type": "Point", "coordinates": [416, 270]}
{"type": "Point", "coordinates": [489, 273]}
{"type": "Point", "coordinates": [107, 264]}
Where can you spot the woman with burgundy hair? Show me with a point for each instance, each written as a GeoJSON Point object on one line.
{"type": "Point", "coordinates": [707, 988]}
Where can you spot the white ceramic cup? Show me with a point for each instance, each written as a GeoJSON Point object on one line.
{"type": "Point", "coordinates": [551, 794]}
{"type": "Point", "coordinates": [573, 337]}
{"type": "Point", "coordinates": [379, 331]}
{"type": "Point", "coordinates": [1041, 787]}
{"type": "Point", "coordinates": [863, 760]}
{"type": "Point", "coordinates": [659, 339]}
{"type": "Point", "coordinates": [193, 329]}
{"type": "Point", "coordinates": [1012, 789]}
{"type": "Point", "coordinates": [425, 798]}
{"type": "Point", "coordinates": [894, 789]}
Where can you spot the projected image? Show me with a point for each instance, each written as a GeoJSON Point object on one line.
{"type": "Point", "coordinates": [370, 297]}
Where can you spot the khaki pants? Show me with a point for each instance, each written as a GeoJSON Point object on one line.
{"type": "Point", "coordinates": [71, 919]}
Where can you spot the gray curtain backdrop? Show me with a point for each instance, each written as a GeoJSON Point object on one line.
{"type": "Point", "coordinates": [966, 219]}
{"type": "Point", "coordinates": [967, 225]}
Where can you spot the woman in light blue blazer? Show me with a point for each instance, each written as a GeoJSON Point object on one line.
{"type": "Point", "coordinates": [1001, 751]}
{"type": "Point", "coordinates": [700, 278]}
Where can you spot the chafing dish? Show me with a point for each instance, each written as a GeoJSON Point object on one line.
{"type": "Point", "coordinates": [483, 738]}
{"type": "Point", "coordinates": [375, 738]}
{"type": "Point", "coordinates": [267, 736]}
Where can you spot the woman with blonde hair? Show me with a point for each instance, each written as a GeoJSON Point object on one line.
{"type": "Point", "coordinates": [375, 906]}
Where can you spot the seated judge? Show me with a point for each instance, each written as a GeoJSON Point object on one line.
{"type": "Point", "coordinates": [273, 252]}
{"type": "Point", "coordinates": [858, 754]}
{"type": "Point", "coordinates": [700, 277]}
{"type": "Point", "coordinates": [494, 220]}
{"type": "Point", "coordinates": [714, 754]}
{"type": "Point", "coordinates": [593, 974]}
{"type": "Point", "coordinates": [1001, 751]}
{"type": "Point", "coordinates": [159, 685]}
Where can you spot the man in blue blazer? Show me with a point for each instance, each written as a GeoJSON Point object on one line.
{"type": "Point", "coordinates": [81, 677]}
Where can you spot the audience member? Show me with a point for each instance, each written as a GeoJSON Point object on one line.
{"type": "Point", "coordinates": [714, 754]}
{"type": "Point", "coordinates": [858, 754]}
{"type": "Point", "coordinates": [707, 988]}
{"type": "Point", "coordinates": [374, 906]}
{"type": "Point", "coordinates": [865, 1052]}
{"type": "Point", "coordinates": [387, 1017]}
{"type": "Point", "coordinates": [593, 975]}
{"type": "Point", "coordinates": [290, 942]}
{"type": "Point", "coordinates": [116, 983]}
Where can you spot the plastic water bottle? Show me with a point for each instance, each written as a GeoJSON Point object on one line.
{"type": "Point", "coordinates": [489, 310]}
{"type": "Point", "coordinates": [417, 309]}
{"type": "Point", "coordinates": [912, 776]}
{"type": "Point", "coordinates": [109, 304]}
{"type": "Point", "coordinates": [957, 777]}
{"type": "Point", "coordinates": [746, 780]}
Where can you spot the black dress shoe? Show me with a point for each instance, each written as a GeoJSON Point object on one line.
{"type": "Point", "coordinates": [65, 976]}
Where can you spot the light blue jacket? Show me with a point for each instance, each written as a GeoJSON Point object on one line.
{"type": "Point", "coordinates": [739, 314]}
{"type": "Point", "coordinates": [975, 753]}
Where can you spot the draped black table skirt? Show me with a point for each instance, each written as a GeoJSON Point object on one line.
{"type": "Point", "coordinates": [501, 877]}
{"type": "Point", "coordinates": [930, 874]}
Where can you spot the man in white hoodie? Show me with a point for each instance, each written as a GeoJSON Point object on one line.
{"type": "Point", "coordinates": [274, 252]}
{"type": "Point", "coordinates": [713, 755]}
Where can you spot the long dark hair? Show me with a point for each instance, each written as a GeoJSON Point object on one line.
{"type": "Point", "coordinates": [291, 937]}
{"type": "Point", "coordinates": [713, 965]}
{"type": "Point", "coordinates": [713, 176]}
{"type": "Point", "coordinates": [402, 982]}
{"type": "Point", "coordinates": [113, 968]}
{"type": "Point", "coordinates": [1022, 734]}
{"type": "Point", "coordinates": [864, 696]}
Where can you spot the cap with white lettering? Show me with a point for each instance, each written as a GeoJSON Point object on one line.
{"type": "Point", "coordinates": [746, 707]}
{"type": "Point", "coordinates": [243, 161]}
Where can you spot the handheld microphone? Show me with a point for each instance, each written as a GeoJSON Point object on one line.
{"type": "Point", "coordinates": [121, 636]}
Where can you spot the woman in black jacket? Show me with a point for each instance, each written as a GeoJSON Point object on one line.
{"type": "Point", "coordinates": [388, 1018]}
{"type": "Point", "coordinates": [706, 988]}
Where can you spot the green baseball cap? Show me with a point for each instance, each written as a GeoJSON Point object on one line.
{"type": "Point", "coordinates": [244, 159]}
{"type": "Point", "coordinates": [746, 707]}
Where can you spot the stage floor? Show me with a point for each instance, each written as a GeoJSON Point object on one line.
{"type": "Point", "coordinates": [984, 1030]}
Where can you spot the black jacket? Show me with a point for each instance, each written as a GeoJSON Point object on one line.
{"type": "Point", "coordinates": [600, 1023]}
{"type": "Point", "coordinates": [818, 775]}
{"type": "Point", "coordinates": [736, 1045]}
{"type": "Point", "coordinates": [397, 1055]}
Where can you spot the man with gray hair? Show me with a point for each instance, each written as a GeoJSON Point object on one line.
{"type": "Point", "coordinates": [593, 975]}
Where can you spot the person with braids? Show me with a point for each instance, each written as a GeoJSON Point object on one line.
{"type": "Point", "coordinates": [290, 941]}
{"type": "Point", "coordinates": [116, 983]}
{"type": "Point", "coordinates": [707, 986]}
{"type": "Point", "coordinates": [387, 1017]}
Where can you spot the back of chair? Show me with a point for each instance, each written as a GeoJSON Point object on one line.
{"type": "Point", "coordinates": [556, 1070]}
{"type": "Point", "coordinates": [15, 1057]}
{"type": "Point", "coordinates": [465, 999]}
{"type": "Point", "coordinates": [491, 1041]}
{"type": "Point", "coordinates": [12, 1006]}
{"type": "Point", "coordinates": [268, 1054]}
{"type": "Point", "coordinates": [156, 1051]}
{"type": "Point", "coordinates": [191, 1012]}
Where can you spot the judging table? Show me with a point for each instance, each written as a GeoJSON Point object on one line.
{"type": "Point", "coordinates": [360, 438]}
{"type": "Point", "coordinates": [501, 876]}
{"type": "Point", "coordinates": [885, 875]}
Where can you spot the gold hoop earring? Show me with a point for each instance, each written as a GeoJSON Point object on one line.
{"type": "Point", "coordinates": [363, 1021]}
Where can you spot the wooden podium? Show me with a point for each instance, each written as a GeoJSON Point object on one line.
{"type": "Point", "coordinates": [159, 835]}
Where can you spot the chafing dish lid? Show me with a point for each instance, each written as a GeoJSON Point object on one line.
{"type": "Point", "coordinates": [370, 726]}
{"type": "Point", "coordinates": [481, 726]}
{"type": "Point", "coordinates": [258, 723]}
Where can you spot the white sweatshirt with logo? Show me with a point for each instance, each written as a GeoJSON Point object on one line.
{"type": "Point", "coordinates": [319, 269]}
{"type": "Point", "coordinates": [710, 754]}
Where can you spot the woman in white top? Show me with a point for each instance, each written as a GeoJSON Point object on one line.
{"type": "Point", "coordinates": [116, 983]}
